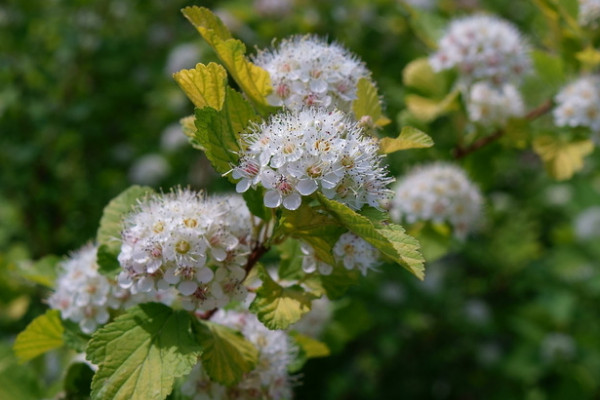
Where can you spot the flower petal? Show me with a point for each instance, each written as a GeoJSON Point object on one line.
{"type": "Point", "coordinates": [272, 199]}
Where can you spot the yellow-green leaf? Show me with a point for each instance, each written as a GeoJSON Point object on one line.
{"type": "Point", "coordinates": [43, 334]}
{"type": "Point", "coordinates": [562, 159]}
{"type": "Point", "coordinates": [390, 239]}
{"type": "Point", "coordinates": [419, 75]}
{"type": "Point", "coordinates": [312, 348]}
{"type": "Point", "coordinates": [226, 354]}
{"type": "Point", "coordinates": [204, 85]}
{"type": "Point", "coordinates": [218, 132]}
{"type": "Point", "coordinates": [188, 125]}
{"type": "Point", "coordinates": [427, 109]}
{"type": "Point", "coordinates": [409, 138]}
{"type": "Point", "coordinates": [367, 103]}
{"type": "Point", "coordinates": [278, 307]}
{"type": "Point", "coordinates": [589, 57]}
{"type": "Point", "coordinates": [254, 81]}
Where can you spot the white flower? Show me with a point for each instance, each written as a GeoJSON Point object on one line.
{"type": "Point", "coordinates": [578, 104]}
{"type": "Point", "coordinates": [313, 323]}
{"type": "Point", "coordinates": [557, 346]}
{"type": "Point", "coordinates": [83, 295]}
{"type": "Point", "coordinates": [355, 253]}
{"type": "Point", "coordinates": [295, 154]}
{"type": "Point", "coordinates": [185, 55]}
{"type": "Point", "coordinates": [587, 224]}
{"type": "Point", "coordinates": [423, 4]}
{"type": "Point", "coordinates": [483, 48]}
{"type": "Point", "coordinates": [438, 192]}
{"type": "Point", "coordinates": [269, 380]}
{"type": "Point", "coordinates": [149, 169]}
{"type": "Point", "coordinates": [589, 13]}
{"type": "Point", "coordinates": [182, 240]}
{"type": "Point", "coordinates": [312, 263]}
{"type": "Point", "coordinates": [493, 105]}
{"type": "Point", "coordinates": [307, 71]}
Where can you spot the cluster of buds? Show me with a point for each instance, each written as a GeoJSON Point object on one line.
{"type": "Point", "coordinates": [492, 105]}
{"type": "Point", "coordinates": [295, 154]}
{"type": "Point", "coordinates": [197, 245]}
{"type": "Point", "coordinates": [439, 193]}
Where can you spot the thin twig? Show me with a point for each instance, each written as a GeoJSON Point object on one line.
{"type": "Point", "coordinates": [460, 152]}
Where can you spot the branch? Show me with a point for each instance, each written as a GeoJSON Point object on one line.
{"type": "Point", "coordinates": [460, 152]}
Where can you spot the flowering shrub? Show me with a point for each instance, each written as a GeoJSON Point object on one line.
{"type": "Point", "coordinates": [187, 294]}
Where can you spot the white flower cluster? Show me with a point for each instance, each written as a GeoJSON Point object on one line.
{"type": "Point", "coordinates": [269, 380]}
{"type": "Point", "coordinates": [483, 48]}
{"type": "Point", "coordinates": [355, 253]}
{"type": "Point", "coordinates": [493, 105]}
{"type": "Point", "coordinates": [438, 192]}
{"type": "Point", "coordinates": [589, 12]}
{"type": "Point", "coordinates": [307, 71]}
{"type": "Point", "coordinates": [197, 245]}
{"type": "Point", "coordinates": [295, 154]}
{"type": "Point", "coordinates": [578, 104]}
{"type": "Point", "coordinates": [83, 295]}
{"type": "Point", "coordinates": [313, 323]}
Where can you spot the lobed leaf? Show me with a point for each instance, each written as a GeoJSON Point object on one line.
{"type": "Point", "coordinates": [218, 131]}
{"type": "Point", "coordinates": [562, 159]}
{"type": "Point", "coordinates": [278, 307]}
{"type": "Point", "coordinates": [254, 81]}
{"type": "Point", "coordinates": [43, 334]}
{"type": "Point", "coordinates": [111, 225]}
{"type": "Point", "coordinates": [409, 138]}
{"type": "Point", "coordinates": [368, 104]}
{"type": "Point", "coordinates": [419, 75]}
{"type": "Point", "coordinates": [393, 242]}
{"type": "Point", "coordinates": [204, 85]}
{"type": "Point", "coordinates": [141, 353]}
{"type": "Point", "coordinates": [226, 354]}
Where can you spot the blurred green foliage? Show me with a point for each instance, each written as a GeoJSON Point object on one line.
{"type": "Point", "coordinates": [86, 91]}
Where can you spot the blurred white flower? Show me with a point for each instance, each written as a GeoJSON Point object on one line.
{"type": "Point", "coordinates": [493, 105]}
{"type": "Point", "coordinates": [589, 13]}
{"type": "Point", "coordinates": [578, 104]}
{"type": "Point", "coordinates": [149, 169]}
{"type": "Point", "coordinates": [557, 346]}
{"type": "Point", "coordinates": [438, 192]}
{"type": "Point", "coordinates": [315, 321]}
{"type": "Point", "coordinates": [587, 224]}
{"type": "Point", "coordinates": [273, 8]}
{"type": "Point", "coordinates": [483, 47]}
{"type": "Point", "coordinates": [173, 138]}
{"type": "Point", "coordinates": [183, 56]}
{"type": "Point", "coordinates": [558, 194]}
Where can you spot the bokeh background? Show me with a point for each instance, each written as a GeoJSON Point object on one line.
{"type": "Point", "coordinates": [88, 107]}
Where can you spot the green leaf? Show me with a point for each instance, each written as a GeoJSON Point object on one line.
{"type": "Point", "coordinates": [141, 353]}
{"type": "Point", "coordinates": [18, 382]}
{"type": "Point", "coordinates": [111, 225]}
{"type": "Point", "coordinates": [218, 132]}
{"type": "Point", "coordinates": [73, 337]}
{"type": "Point", "coordinates": [549, 67]}
{"type": "Point", "coordinates": [589, 57]}
{"type": "Point", "coordinates": [43, 334]}
{"type": "Point", "coordinates": [254, 202]}
{"type": "Point", "coordinates": [393, 242]}
{"type": "Point", "coordinates": [333, 285]}
{"type": "Point", "coordinates": [290, 266]}
{"type": "Point", "coordinates": [308, 348]}
{"type": "Point", "coordinates": [226, 354]}
{"type": "Point", "coordinates": [435, 239]}
{"type": "Point", "coordinates": [419, 75]}
{"type": "Point", "coordinates": [409, 138]}
{"type": "Point", "coordinates": [368, 104]}
{"type": "Point", "coordinates": [42, 271]}
{"type": "Point", "coordinates": [278, 307]}
{"type": "Point", "coordinates": [254, 81]}
{"type": "Point", "coordinates": [427, 109]}
{"type": "Point", "coordinates": [204, 85]}
{"type": "Point", "coordinates": [78, 381]}
{"type": "Point", "coordinates": [562, 159]}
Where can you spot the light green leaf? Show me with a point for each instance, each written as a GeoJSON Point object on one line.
{"type": "Point", "coordinates": [290, 266]}
{"type": "Point", "coordinates": [43, 334]}
{"type": "Point", "coordinates": [549, 67]}
{"type": "Point", "coordinates": [111, 225]}
{"type": "Point", "coordinates": [141, 353]}
{"type": "Point", "coordinates": [204, 85]}
{"type": "Point", "coordinates": [427, 109]}
{"type": "Point", "coordinates": [254, 81]}
{"type": "Point", "coordinates": [368, 104]}
{"type": "Point", "coordinates": [589, 57]}
{"type": "Point", "coordinates": [218, 132]}
{"type": "Point", "coordinates": [278, 307]}
{"type": "Point", "coordinates": [419, 75]}
{"type": "Point", "coordinates": [562, 159]}
{"type": "Point", "coordinates": [18, 382]}
{"type": "Point", "coordinates": [226, 354]}
{"type": "Point", "coordinates": [42, 271]}
{"type": "Point", "coordinates": [409, 138]}
{"type": "Point", "coordinates": [393, 242]}
{"type": "Point", "coordinates": [312, 348]}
